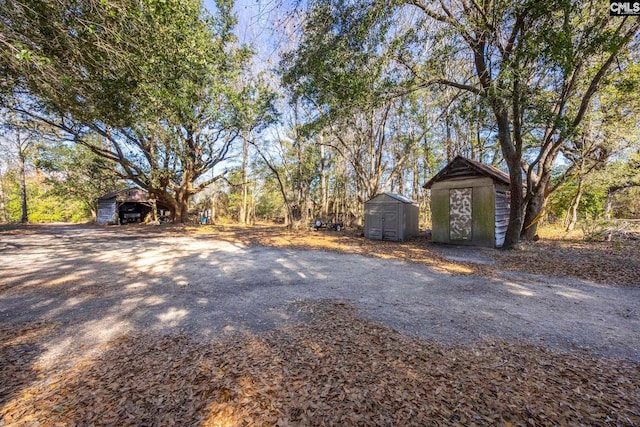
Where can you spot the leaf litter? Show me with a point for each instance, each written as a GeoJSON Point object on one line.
{"type": "Point", "coordinates": [613, 263]}
{"type": "Point", "coordinates": [337, 369]}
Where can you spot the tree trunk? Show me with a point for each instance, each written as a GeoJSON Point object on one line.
{"type": "Point", "coordinates": [512, 237]}
{"type": "Point", "coordinates": [252, 207]}
{"type": "Point", "coordinates": [179, 204]}
{"type": "Point", "coordinates": [449, 141]}
{"type": "Point", "coordinates": [512, 157]}
{"type": "Point", "coordinates": [415, 187]}
{"type": "Point", "coordinates": [609, 205]}
{"type": "Point", "coordinates": [535, 207]}
{"type": "Point", "coordinates": [400, 180]}
{"type": "Point", "coordinates": [182, 212]}
{"type": "Point", "coordinates": [154, 211]}
{"type": "Point", "coordinates": [214, 203]}
{"type": "Point", "coordinates": [24, 218]}
{"type": "Point", "coordinates": [324, 193]}
{"type": "Point", "coordinates": [93, 208]}
{"type": "Point", "coordinates": [532, 216]}
{"type": "Point", "coordinates": [243, 207]}
{"type": "Point", "coordinates": [3, 206]}
{"type": "Point", "coordinates": [572, 215]}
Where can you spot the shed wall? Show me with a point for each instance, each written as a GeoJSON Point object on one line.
{"type": "Point", "coordinates": [439, 214]}
{"type": "Point", "coordinates": [503, 207]}
{"type": "Point", "coordinates": [372, 223]}
{"type": "Point", "coordinates": [411, 221]}
{"type": "Point", "coordinates": [482, 215]}
{"type": "Point", "coordinates": [386, 218]}
{"type": "Point", "coordinates": [382, 220]}
{"type": "Point", "coordinates": [107, 212]}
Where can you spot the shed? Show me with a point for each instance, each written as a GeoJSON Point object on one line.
{"type": "Point", "coordinates": [129, 205]}
{"type": "Point", "coordinates": [470, 204]}
{"type": "Point", "coordinates": [390, 216]}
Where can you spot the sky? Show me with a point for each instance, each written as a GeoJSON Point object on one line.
{"type": "Point", "coordinates": [260, 25]}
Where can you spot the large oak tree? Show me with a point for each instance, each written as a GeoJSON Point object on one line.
{"type": "Point", "coordinates": [158, 81]}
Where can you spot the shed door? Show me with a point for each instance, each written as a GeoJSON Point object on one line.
{"type": "Point", "coordinates": [460, 218]}
{"type": "Point", "coordinates": [390, 222]}
{"type": "Point", "coordinates": [106, 212]}
{"type": "Point", "coordinates": [374, 222]}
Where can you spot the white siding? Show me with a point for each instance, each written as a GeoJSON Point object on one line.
{"type": "Point", "coordinates": [107, 212]}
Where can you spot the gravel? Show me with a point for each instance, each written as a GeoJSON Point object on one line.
{"type": "Point", "coordinates": [96, 284]}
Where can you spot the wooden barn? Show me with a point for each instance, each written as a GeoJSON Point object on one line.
{"type": "Point", "coordinates": [390, 216]}
{"type": "Point", "coordinates": [130, 205]}
{"type": "Point", "coordinates": [469, 204]}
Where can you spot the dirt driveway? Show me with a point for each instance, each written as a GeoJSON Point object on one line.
{"type": "Point", "coordinates": [98, 283]}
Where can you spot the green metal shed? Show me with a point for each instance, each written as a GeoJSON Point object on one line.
{"type": "Point", "coordinates": [469, 204]}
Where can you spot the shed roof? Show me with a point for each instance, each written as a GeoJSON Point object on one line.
{"type": "Point", "coordinates": [398, 197]}
{"type": "Point", "coordinates": [127, 195]}
{"type": "Point", "coordinates": [461, 167]}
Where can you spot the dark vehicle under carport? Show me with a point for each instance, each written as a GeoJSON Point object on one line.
{"type": "Point", "coordinates": [128, 206]}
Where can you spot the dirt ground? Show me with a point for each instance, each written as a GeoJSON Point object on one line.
{"type": "Point", "coordinates": [564, 254]}
{"type": "Point", "coordinates": [146, 325]}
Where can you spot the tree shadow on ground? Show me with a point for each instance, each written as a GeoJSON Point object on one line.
{"type": "Point", "coordinates": [338, 369]}
{"type": "Point", "coordinates": [616, 262]}
{"type": "Point", "coordinates": [85, 288]}
{"type": "Point", "coordinates": [116, 309]}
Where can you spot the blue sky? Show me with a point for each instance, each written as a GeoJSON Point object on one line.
{"type": "Point", "coordinates": [257, 21]}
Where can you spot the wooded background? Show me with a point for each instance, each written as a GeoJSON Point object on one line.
{"type": "Point", "coordinates": [357, 97]}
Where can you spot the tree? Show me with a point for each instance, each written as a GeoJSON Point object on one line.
{"type": "Point", "coordinates": [343, 75]}
{"type": "Point", "coordinates": [19, 135]}
{"type": "Point", "coordinates": [623, 175]}
{"type": "Point", "coordinates": [158, 81]}
{"type": "Point", "coordinates": [4, 169]}
{"type": "Point", "coordinates": [294, 162]}
{"type": "Point", "coordinates": [535, 64]}
{"type": "Point", "coordinates": [538, 64]}
{"type": "Point", "coordinates": [77, 173]}
{"type": "Point", "coordinates": [610, 128]}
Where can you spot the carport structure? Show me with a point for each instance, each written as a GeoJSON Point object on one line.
{"type": "Point", "coordinates": [129, 205]}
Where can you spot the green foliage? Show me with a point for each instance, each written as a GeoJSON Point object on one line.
{"type": "Point", "coordinates": [269, 204]}
{"type": "Point", "coordinates": [617, 181]}
{"type": "Point", "coordinates": [44, 205]}
{"type": "Point", "coordinates": [627, 204]}
{"type": "Point", "coordinates": [536, 64]}
{"type": "Point", "coordinates": [234, 194]}
{"type": "Point", "coordinates": [592, 201]}
{"type": "Point", "coordinates": [160, 80]}
{"type": "Point", "coordinates": [75, 173]}
{"type": "Point", "coordinates": [341, 57]}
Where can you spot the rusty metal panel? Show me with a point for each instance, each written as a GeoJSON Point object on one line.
{"type": "Point", "coordinates": [503, 200]}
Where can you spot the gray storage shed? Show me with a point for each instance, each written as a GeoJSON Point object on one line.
{"type": "Point", "coordinates": [390, 216]}
{"type": "Point", "coordinates": [469, 204]}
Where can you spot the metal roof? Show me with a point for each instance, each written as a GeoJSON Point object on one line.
{"type": "Point", "coordinates": [461, 167]}
{"type": "Point", "coordinates": [127, 195]}
{"type": "Point", "coordinates": [398, 197]}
